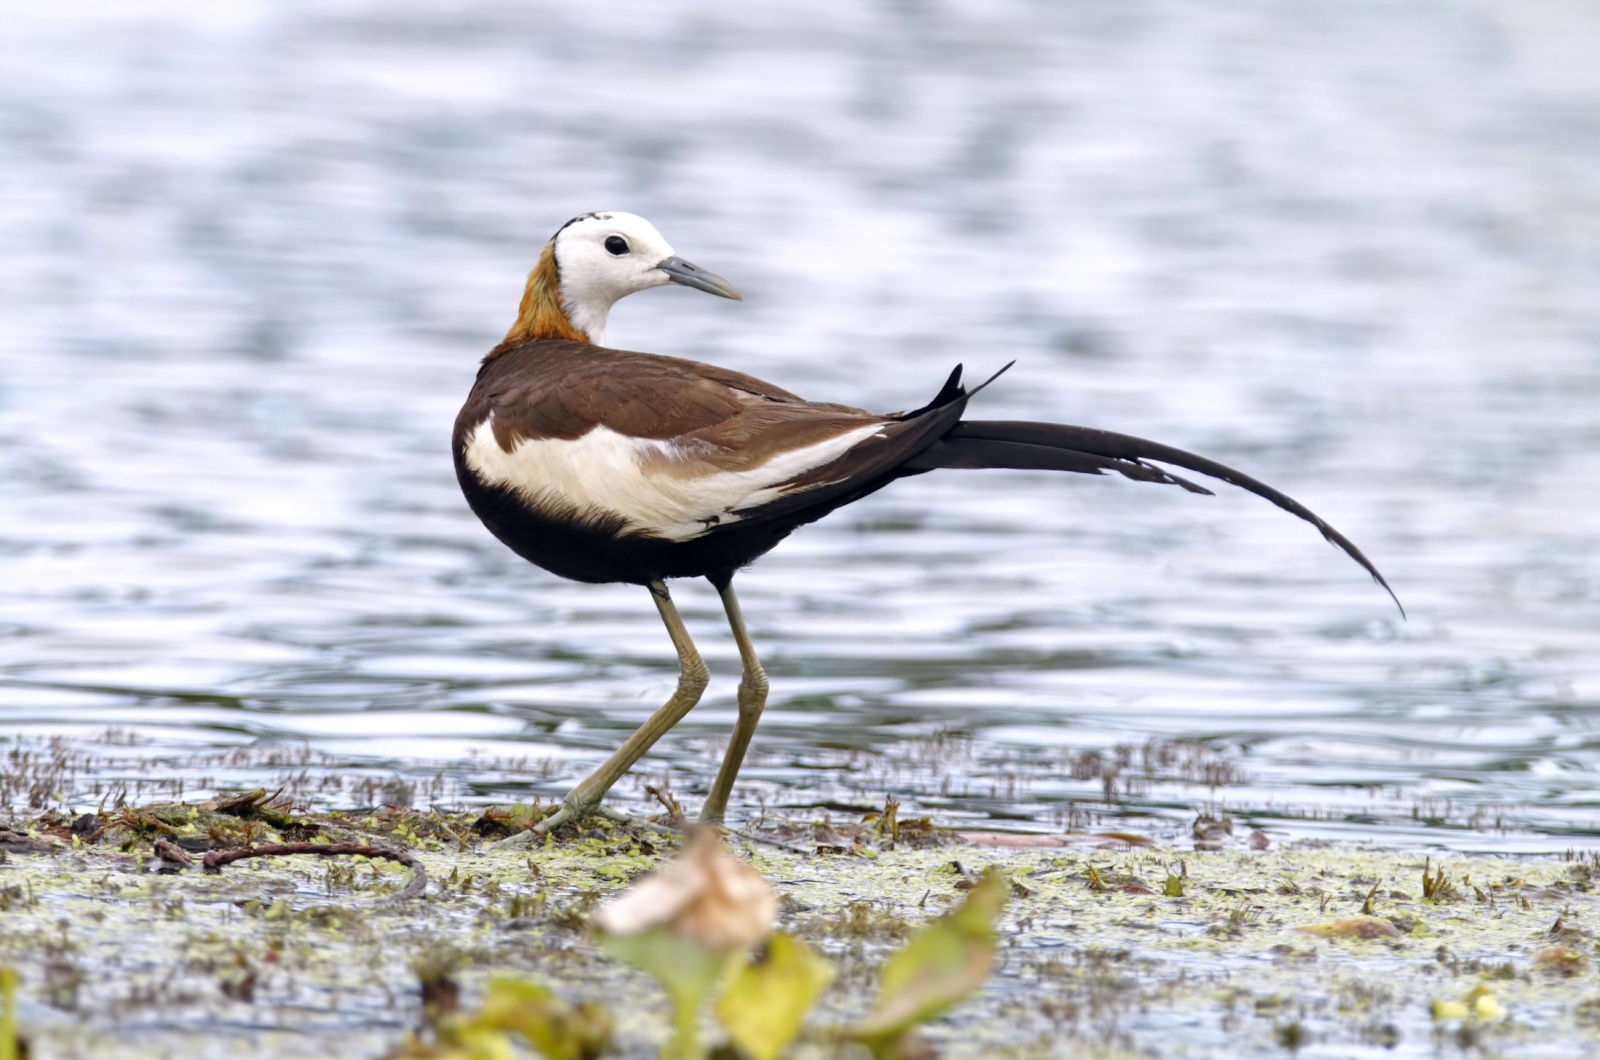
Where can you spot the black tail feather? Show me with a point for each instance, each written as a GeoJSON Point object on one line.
{"type": "Point", "coordinates": [952, 391]}
{"type": "Point", "coordinates": [1061, 447]}
{"type": "Point", "coordinates": [996, 452]}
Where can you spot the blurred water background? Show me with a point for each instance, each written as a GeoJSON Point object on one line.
{"type": "Point", "coordinates": [250, 254]}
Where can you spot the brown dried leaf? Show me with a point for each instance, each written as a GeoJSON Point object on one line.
{"type": "Point", "coordinates": [704, 896]}
{"type": "Point", "coordinates": [1354, 927]}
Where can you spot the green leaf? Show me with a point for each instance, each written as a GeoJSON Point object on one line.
{"type": "Point", "coordinates": [482, 1044]}
{"type": "Point", "coordinates": [8, 1013]}
{"type": "Point", "coordinates": [558, 1030]}
{"type": "Point", "coordinates": [463, 1042]}
{"type": "Point", "coordinates": [942, 964]}
{"type": "Point", "coordinates": [765, 1002]}
{"type": "Point", "coordinates": [685, 970]}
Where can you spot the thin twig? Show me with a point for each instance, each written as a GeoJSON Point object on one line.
{"type": "Point", "coordinates": [419, 879]}
{"type": "Point", "coordinates": [684, 827]}
{"type": "Point", "coordinates": [668, 802]}
{"type": "Point", "coordinates": [757, 837]}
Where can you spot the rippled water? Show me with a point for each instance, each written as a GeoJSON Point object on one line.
{"type": "Point", "coordinates": [252, 253]}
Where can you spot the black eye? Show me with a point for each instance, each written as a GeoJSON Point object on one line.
{"type": "Point", "coordinates": [617, 245]}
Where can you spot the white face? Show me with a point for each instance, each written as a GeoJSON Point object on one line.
{"type": "Point", "coordinates": [602, 257]}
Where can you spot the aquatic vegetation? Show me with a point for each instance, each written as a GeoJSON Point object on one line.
{"type": "Point", "coordinates": [946, 961]}
{"type": "Point", "coordinates": [693, 926]}
{"type": "Point", "coordinates": [127, 954]}
{"type": "Point", "coordinates": [1438, 887]}
{"type": "Point", "coordinates": [1565, 961]}
{"type": "Point", "coordinates": [688, 925]}
{"type": "Point", "coordinates": [512, 1008]}
{"type": "Point", "coordinates": [767, 998]}
{"type": "Point", "coordinates": [1479, 1003]}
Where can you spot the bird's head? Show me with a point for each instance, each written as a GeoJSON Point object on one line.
{"type": "Point", "coordinates": [592, 261]}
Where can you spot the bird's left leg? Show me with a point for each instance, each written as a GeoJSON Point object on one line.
{"type": "Point", "coordinates": [692, 679]}
{"type": "Point", "coordinates": [752, 699]}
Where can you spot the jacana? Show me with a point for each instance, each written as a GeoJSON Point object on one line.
{"type": "Point", "coordinates": [605, 465]}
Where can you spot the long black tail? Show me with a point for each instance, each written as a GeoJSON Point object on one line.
{"type": "Point", "coordinates": [1061, 447]}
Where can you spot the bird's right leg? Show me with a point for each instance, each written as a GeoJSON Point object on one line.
{"type": "Point", "coordinates": [752, 700]}
{"type": "Point", "coordinates": [692, 680]}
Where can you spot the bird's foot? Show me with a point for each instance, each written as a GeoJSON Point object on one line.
{"type": "Point", "coordinates": [570, 813]}
{"type": "Point", "coordinates": [567, 811]}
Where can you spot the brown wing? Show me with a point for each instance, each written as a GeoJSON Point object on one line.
{"type": "Point", "coordinates": [729, 420]}
{"type": "Point", "coordinates": [684, 446]}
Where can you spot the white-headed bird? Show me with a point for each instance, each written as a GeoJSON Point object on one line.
{"type": "Point", "coordinates": [606, 465]}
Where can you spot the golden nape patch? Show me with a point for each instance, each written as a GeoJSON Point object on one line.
{"type": "Point", "coordinates": [540, 315]}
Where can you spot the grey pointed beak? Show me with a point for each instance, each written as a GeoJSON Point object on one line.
{"type": "Point", "coordinates": [680, 271]}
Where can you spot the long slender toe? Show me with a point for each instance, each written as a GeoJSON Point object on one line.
{"type": "Point", "coordinates": [567, 811]}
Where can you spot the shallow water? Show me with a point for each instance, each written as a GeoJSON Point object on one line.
{"type": "Point", "coordinates": [252, 253]}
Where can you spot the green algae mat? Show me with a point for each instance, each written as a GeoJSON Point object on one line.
{"type": "Point", "coordinates": [1105, 947]}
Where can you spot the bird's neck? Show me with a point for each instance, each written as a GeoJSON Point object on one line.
{"type": "Point", "coordinates": [542, 315]}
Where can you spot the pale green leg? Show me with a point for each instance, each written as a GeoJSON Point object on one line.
{"type": "Point", "coordinates": [692, 680]}
{"type": "Point", "coordinates": [752, 699]}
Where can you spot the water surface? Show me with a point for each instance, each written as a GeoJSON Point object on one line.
{"type": "Point", "coordinates": [253, 252]}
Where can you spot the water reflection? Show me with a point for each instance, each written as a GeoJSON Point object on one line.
{"type": "Point", "coordinates": [253, 253]}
